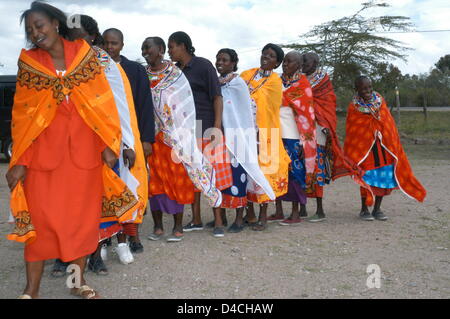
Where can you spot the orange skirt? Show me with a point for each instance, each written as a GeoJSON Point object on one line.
{"type": "Point", "coordinates": [219, 158]}
{"type": "Point", "coordinates": [168, 177]}
{"type": "Point", "coordinates": [65, 205]}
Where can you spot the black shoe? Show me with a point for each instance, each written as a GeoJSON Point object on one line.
{"type": "Point", "coordinates": [235, 228]}
{"type": "Point", "coordinates": [96, 265]}
{"type": "Point", "coordinates": [218, 232]}
{"type": "Point", "coordinates": [191, 227]}
{"type": "Point", "coordinates": [136, 247]}
{"type": "Point", "coordinates": [59, 269]}
{"type": "Point", "coordinates": [212, 224]}
{"type": "Point", "coordinates": [365, 215]}
{"type": "Point", "coordinates": [379, 215]}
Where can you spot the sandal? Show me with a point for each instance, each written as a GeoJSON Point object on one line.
{"type": "Point", "coordinates": [175, 237]}
{"type": "Point", "coordinates": [59, 269]}
{"type": "Point", "coordinates": [290, 221]}
{"type": "Point", "coordinates": [259, 226]}
{"type": "Point", "coordinates": [154, 236]}
{"type": "Point", "coordinates": [157, 234]}
{"type": "Point", "coordinates": [274, 218]}
{"type": "Point", "coordinates": [96, 265]}
{"type": "Point", "coordinates": [24, 296]}
{"type": "Point", "coordinates": [85, 292]}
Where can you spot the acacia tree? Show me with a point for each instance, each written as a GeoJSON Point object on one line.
{"type": "Point", "coordinates": [444, 64]}
{"type": "Point", "coordinates": [350, 45]}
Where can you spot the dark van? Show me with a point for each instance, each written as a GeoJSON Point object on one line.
{"type": "Point", "coordinates": [7, 90]}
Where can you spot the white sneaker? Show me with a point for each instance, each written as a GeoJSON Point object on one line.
{"type": "Point", "coordinates": [125, 255]}
{"type": "Point", "coordinates": [104, 252]}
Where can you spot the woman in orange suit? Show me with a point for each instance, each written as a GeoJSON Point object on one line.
{"type": "Point", "coordinates": [66, 135]}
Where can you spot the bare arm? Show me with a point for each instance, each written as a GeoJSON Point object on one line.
{"type": "Point", "coordinates": [218, 110]}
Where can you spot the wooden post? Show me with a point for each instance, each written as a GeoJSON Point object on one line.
{"type": "Point", "coordinates": [397, 98]}
{"type": "Point", "coordinates": [425, 109]}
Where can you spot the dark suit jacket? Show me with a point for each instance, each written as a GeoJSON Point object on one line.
{"type": "Point", "coordinates": [142, 96]}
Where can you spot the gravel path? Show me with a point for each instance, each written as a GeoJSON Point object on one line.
{"type": "Point", "coordinates": [324, 260]}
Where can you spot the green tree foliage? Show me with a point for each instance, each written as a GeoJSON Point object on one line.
{"type": "Point", "coordinates": [432, 88]}
{"type": "Point", "coordinates": [350, 46]}
{"type": "Point", "coordinates": [444, 64]}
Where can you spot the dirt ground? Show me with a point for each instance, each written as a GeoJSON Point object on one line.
{"type": "Point", "coordinates": [324, 260]}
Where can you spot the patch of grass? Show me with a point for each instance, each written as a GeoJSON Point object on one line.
{"type": "Point", "coordinates": [427, 152]}
{"type": "Point", "coordinates": [414, 125]}
{"type": "Point", "coordinates": [435, 126]}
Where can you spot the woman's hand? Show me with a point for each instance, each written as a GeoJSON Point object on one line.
{"type": "Point", "coordinates": [15, 174]}
{"type": "Point", "coordinates": [147, 148]}
{"type": "Point", "coordinates": [109, 157]}
{"type": "Point", "coordinates": [129, 157]}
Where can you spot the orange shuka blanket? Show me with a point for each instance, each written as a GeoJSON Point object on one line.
{"type": "Point", "coordinates": [325, 113]}
{"type": "Point", "coordinates": [39, 91]}
{"type": "Point", "coordinates": [362, 129]}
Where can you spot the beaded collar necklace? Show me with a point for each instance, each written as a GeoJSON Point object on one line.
{"type": "Point", "coordinates": [264, 74]}
{"type": "Point", "coordinates": [153, 75]}
{"type": "Point", "coordinates": [372, 107]}
{"type": "Point", "coordinates": [288, 81]}
{"type": "Point", "coordinates": [316, 77]}
{"type": "Point", "coordinates": [227, 78]}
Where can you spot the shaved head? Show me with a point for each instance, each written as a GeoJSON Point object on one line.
{"type": "Point", "coordinates": [312, 56]}
{"type": "Point", "coordinates": [310, 62]}
{"type": "Point", "coordinates": [360, 79]}
{"type": "Point", "coordinates": [296, 56]}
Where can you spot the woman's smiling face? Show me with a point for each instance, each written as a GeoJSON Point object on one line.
{"type": "Point", "coordinates": [223, 64]}
{"type": "Point", "coordinates": [269, 60]}
{"type": "Point", "coordinates": [41, 30]}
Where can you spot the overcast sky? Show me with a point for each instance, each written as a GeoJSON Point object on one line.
{"type": "Point", "coordinates": [244, 25]}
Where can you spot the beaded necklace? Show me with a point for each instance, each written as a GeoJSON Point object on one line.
{"type": "Point", "coordinates": [288, 81]}
{"type": "Point", "coordinates": [316, 77]}
{"type": "Point", "coordinates": [372, 107]}
{"type": "Point", "coordinates": [227, 78]}
{"type": "Point", "coordinates": [156, 76]}
{"type": "Point", "coordinates": [262, 73]}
